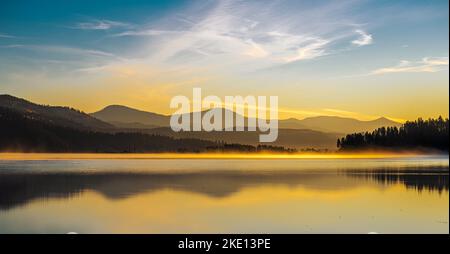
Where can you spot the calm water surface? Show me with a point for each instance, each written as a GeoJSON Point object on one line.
{"type": "Point", "coordinates": [396, 195]}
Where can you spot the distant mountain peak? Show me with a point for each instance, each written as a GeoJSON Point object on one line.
{"type": "Point", "coordinates": [121, 115]}
{"type": "Point", "coordinates": [119, 107]}
{"type": "Point", "coordinates": [382, 118]}
{"type": "Point", "coordinates": [124, 108]}
{"type": "Point", "coordinates": [112, 106]}
{"type": "Point", "coordinates": [386, 121]}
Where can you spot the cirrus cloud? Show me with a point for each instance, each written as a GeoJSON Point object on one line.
{"type": "Point", "coordinates": [3, 35]}
{"type": "Point", "coordinates": [229, 35]}
{"type": "Point", "coordinates": [427, 64]}
{"type": "Point", "coordinates": [102, 24]}
{"type": "Point", "coordinates": [364, 38]}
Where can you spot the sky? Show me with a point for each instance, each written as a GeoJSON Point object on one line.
{"type": "Point", "coordinates": [361, 59]}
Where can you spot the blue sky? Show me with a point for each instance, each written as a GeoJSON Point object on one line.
{"type": "Point", "coordinates": [361, 59]}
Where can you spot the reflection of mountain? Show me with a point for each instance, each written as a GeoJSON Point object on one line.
{"type": "Point", "coordinates": [432, 180]}
{"type": "Point", "coordinates": [17, 189]}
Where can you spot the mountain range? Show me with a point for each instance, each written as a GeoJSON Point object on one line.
{"type": "Point", "coordinates": [122, 116]}
{"type": "Point", "coordinates": [314, 132]}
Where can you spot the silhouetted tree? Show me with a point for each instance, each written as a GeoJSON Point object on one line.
{"type": "Point", "coordinates": [431, 133]}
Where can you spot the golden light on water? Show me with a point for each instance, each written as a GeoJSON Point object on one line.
{"type": "Point", "coordinates": [223, 193]}
{"type": "Point", "coordinates": [281, 208]}
{"type": "Point", "coordinates": [66, 156]}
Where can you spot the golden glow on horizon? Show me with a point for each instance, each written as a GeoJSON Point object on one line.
{"type": "Point", "coordinates": [151, 89]}
{"type": "Point", "coordinates": [66, 156]}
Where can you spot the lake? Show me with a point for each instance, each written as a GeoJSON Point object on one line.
{"type": "Point", "coordinates": [235, 195]}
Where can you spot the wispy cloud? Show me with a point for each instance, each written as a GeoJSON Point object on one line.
{"type": "Point", "coordinates": [427, 64]}
{"type": "Point", "coordinates": [63, 50]}
{"type": "Point", "coordinates": [145, 32]}
{"type": "Point", "coordinates": [313, 49]}
{"type": "Point", "coordinates": [256, 50]}
{"type": "Point", "coordinates": [74, 58]}
{"type": "Point", "coordinates": [3, 35]}
{"type": "Point", "coordinates": [11, 46]}
{"type": "Point", "coordinates": [102, 24]}
{"type": "Point", "coordinates": [364, 38]}
{"type": "Point", "coordinates": [228, 36]}
{"type": "Point", "coordinates": [232, 33]}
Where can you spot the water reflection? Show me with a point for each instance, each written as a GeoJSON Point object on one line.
{"type": "Point", "coordinates": [420, 179]}
{"type": "Point", "coordinates": [17, 188]}
{"type": "Point", "coordinates": [408, 195]}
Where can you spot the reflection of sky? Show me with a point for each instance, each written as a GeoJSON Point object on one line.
{"type": "Point", "coordinates": [320, 57]}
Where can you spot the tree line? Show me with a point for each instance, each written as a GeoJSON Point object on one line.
{"type": "Point", "coordinates": [428, 134]}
